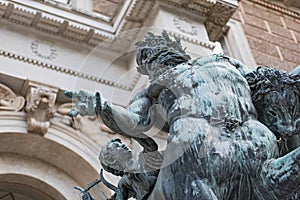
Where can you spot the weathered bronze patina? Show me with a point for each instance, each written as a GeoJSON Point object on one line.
{"type": "Point", "coordinates": [220, 144]}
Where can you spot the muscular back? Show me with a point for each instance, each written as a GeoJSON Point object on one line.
{"type": "Point", "coordinates": [203, 90]}
{"type": "Point", "coordinates": [213, 121]}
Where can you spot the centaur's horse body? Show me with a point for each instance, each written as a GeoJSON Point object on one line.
{"type": "Point", "coordinates": [217, 149]}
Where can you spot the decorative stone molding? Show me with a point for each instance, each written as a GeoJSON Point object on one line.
{"type": "Point", "coordinates": [217, 13]}
{"type": "Point", "coordinates": [199, 7]}
{"type": "Point", "coordinates": [43, 49]}
{"type": "Point", "coordinates": [9, 100]}
{"type": "Point", "coordinates": [71, 72]}
{"type": "Point", "coordinates": [136, 15]}
{"type": "Point", "coordinates": [90, 35]}
{"type": "Point", "coordinates": [273, 6]}
{"type": "Point", "coordinates": [192, 40]}
{"type": "Point", "coordinates": [20, 14]}
{"type": "Point", "coordinates": [40, 100]}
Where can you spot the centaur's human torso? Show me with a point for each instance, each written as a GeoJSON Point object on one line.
{"type": "Point", "coordinates": [215, 141]}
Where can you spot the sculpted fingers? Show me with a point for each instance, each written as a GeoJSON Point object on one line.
{"type": "Point", "coordinates": [85, 103]}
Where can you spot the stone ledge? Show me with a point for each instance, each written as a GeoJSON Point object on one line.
{"type": "Point", "coordinates": [70, 71]}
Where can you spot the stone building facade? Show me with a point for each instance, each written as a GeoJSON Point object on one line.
{"type": "Point", "coordinates": [272, 29]}
{"type": "Point", "coordinates": [49, 46]}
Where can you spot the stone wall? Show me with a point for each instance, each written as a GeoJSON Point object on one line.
{"type": "Point", "coordinates": [273, 33]}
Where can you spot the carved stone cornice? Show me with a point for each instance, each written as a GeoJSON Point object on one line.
{"type": "Point", "coordinates": [9, 100]}
{"type": "Point", "coordinates": [134, 17]}
{"type": "Point", "coordinates": [199, 7]}
{"type": "Point", "coordinates": [278, 8]}
{"type": "Point", "coordinates": [52, 24]}
{"type": "Point", "coordinates": [216, 12]}
{"type": "Point", "coordinates": [294, 3]}
{"type": "Point", "coordinates": [40, 101]}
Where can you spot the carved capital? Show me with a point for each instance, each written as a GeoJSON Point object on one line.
{"type": "Point", "coordinates": [218, 16]}
{"type": "Point", "coordinates": [40, 106]}
{"type": "Point", "coordinates": [9, 100]}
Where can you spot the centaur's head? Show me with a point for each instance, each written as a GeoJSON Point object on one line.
{"type": "Point", "coordinates": [158, 53]}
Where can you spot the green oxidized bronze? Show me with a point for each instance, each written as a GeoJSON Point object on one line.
{"type": "Point", "coordinates": [224, 136]}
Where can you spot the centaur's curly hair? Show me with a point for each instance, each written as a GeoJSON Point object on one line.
{"type": "Point", "coordinates": [266, 79]}
{"type": "Point", "coordinates": [159, 51]}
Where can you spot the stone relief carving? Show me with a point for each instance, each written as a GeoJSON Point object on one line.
{"type": "Point", "coordinates": [40, 100]}
{"type": "Point", "coordinates": [184, 25]}
{"type": "Point", "coordinates": [9, 100]}
{"type": "Point", "coordinates": [44, 49]}
{"type": "Point", "coordinates": [217, 147]}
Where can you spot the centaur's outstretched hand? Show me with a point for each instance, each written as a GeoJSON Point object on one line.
{"type": "Point", "coordinates": [85, 102]}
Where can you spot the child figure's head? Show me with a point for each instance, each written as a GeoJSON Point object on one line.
{"type": "Point", "coordinates": [114, 157]}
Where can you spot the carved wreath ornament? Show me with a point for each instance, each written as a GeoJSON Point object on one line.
{"type": "Point", "coordinates": [44, 49]}
{"type": "Point", "coordinates": [185, 26]}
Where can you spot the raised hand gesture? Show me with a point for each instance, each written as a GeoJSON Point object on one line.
{"type": "Point", "coordinates": [85, 105]}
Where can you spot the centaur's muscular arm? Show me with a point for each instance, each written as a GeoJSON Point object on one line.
{"type": "Point", "coordinates": [131, 121]}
